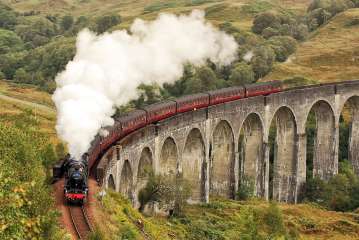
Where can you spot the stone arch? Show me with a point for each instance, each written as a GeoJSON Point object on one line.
{"type": "Point", "coordinates": [193, 159]}
{"type": "Point", "coordinates": [145, 167]}
{"type": "Point", "coordinates": [126, 182]}
{"type": "Point", "coordinates": [168, 158]}
{"type": "Point", "coordinates": [323, 162]}
{"type": "Point", "coordinates": [350, 114]}
{"type": "Point", "coordinates": [222, 161]}
{"type": "Point", "coordinates": [251, 154]}
{"type": "Point", "coordinates": [111, 182]}
{"type": "Point", "coordinates": [284, 162]}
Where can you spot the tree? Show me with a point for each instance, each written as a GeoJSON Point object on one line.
{"type": "Point", "coordinates": [104, 23]}
{"type": "Point", "coordinates": [81, 23]}
{"type": "Point", "coordinates": [67, 22]}
{"type": "Point", "coordinates": [203, 80]}
{"type": "Point", "coordinates": [300, 32]}
{"type": "Point", "coordinates": [10, 42]}
{"type": "Point", "coordinates": [37, 32]}
{"type": "Point", "coordinates": [22, 76]}
{"type": "Point", "coordinates": [241, 74]}
{"type": "Point", "coordinates": [7, 17]}
{"type": "Point", "coordinates": [270, 32]}
{"type": "Point", "coordinates": [10, 62]}
{"type": "Point", "coordinates": [283, 46]}
{"type": "Point", "coordinates": [265, 20]}
{"type": "Point", "coordinates": [46, 61]}
{"type": "Point", "coordinates": [262, 61]}
{"type": "Point", "coordinates": [170, 192]}
{"type": "Point", "coordinates": [148, 94]}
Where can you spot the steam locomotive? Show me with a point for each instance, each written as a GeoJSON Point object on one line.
{"type": "Point", "coordinates": [76, 175]}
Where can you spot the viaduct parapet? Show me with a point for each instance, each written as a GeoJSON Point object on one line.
{"type": "Point", "coordinates": [218, 148]}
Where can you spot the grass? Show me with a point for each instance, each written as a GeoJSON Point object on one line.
{"type": "Point", "coordinates": [26, 92]}
{"type": "Point", "coordinates": [240, 11]}
{"type": "Point", "coordinates": [223, 219]}
{"type": "Point", "coordinates": [157, 6]}
{"type": "Point", "coordinates": [331, 54]}
{"type": "Point", "coordinates": [16, 99]}
{"type": "Point", "coordinates": [257, 6]}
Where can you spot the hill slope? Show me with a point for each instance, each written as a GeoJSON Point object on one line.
{"type": "Point", "coordinates": [16, 99]}
{"type": "Point", "coordinates": [331, 54]}
{"type": "Point", "coordinates": [239, 12]}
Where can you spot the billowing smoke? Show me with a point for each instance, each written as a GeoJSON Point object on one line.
{"type": "Point", "coordinates": [248, 56]}
{"type": "Point", "coordinates": [107, 69]}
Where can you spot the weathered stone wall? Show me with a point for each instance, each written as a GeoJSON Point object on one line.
{"type": "Point", "coordinates": [207, 148]}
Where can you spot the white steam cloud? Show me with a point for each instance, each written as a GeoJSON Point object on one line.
{"type": "Point", "coordinates": [107, 69]}
{"type": "Point", "coordinates": [248, 56]}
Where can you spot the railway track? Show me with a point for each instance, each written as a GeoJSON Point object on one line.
{"type": "Point", "coordinates": [80, 221]}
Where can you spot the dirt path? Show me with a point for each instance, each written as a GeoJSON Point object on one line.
{"type": "Point", "coordinates": [30, 104]}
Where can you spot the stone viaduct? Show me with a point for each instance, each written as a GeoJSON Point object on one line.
{"type": "Point", "coordinates": [216, 149]}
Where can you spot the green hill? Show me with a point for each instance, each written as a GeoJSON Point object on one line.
{"type": "Point", "coordinates": [239, 11]}
{"type": "Point", "coordinates": [330, 54]}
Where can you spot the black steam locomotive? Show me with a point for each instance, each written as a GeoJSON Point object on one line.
{"type": "Point", "coordinates": [76, 175]}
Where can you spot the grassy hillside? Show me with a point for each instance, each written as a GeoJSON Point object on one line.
{"type": "Point", "coordinates": [331, 53]}
{"type": "Point", "coordinates": [16, 99]}
{"type": "Point", "coordinates": [27, 152]}
{"type": "Point", "coordinates": [227, 219]}
{"type": "Point", "coordinates": [241, 12]}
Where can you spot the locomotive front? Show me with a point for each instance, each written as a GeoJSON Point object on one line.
{"type": "Point", "coordinates": [76, 174]}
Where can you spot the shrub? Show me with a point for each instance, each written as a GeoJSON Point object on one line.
{"type": "Point", "coordinates": [283, 46]}
{"type": "Point", "coordinates": [67, 22]}
{"type": "Point", "coordinates": [97, 234]}
{"type": "Point", "coordinates": [127, 234]}
{"type": "Point", "coordinates": [340, 193]}
{"type": "Point", "coordinates": [22, 76]}
{"type": "Point", "coordinates": [270, 32]}
{"type": "Point", "coordinates": [104, 23]}
{"type": "Point", "coordinates": [246, 189]}
{"type": "Point", "coordinates": [274, 219]}
{"type": "Point", "coordinates": [249, 229]}
{"type": "Point", "coordinates": [300, 32]}
{"type": "Point", "coordinates": [316, 190]}
{"type": "Point", "coordinates": [265, 20]}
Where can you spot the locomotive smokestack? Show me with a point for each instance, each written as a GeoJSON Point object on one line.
{"type": "Point", "coordinates": [107, 69]}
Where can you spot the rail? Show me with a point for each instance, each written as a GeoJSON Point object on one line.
{"type": "Point", "coordinates": [80, 221]}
